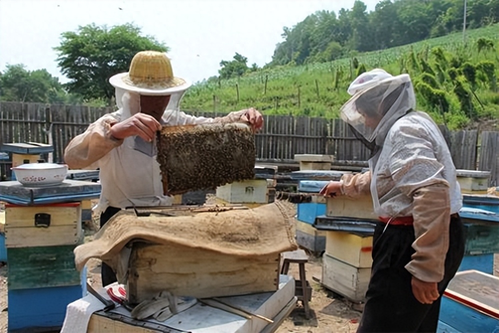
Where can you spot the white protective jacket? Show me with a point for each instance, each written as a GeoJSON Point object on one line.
{"type": "Point", "coordinates": [411, 173]}
{"type": "Point", "coordinates": [128, 177]}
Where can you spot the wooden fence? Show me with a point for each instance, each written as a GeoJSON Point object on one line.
{"type": "Point", "coordinates": [281, 138]}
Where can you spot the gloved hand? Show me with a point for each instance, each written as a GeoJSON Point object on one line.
{"type": "Point", "coordinates": [162, 306]}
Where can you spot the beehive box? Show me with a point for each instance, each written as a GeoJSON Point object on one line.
{"type": "Point", "coordinates": [41, 309]}
{"type": "Point", "coordinates": [344, 279]}
{"type": "Point", "coordinates": [196, 157]}
{"type": "Point", "coordinates": [42, 225]}
{"type": "Point", "coordinates": [186, 271]}
{"type": "Point", "coordinates": [310, 238]}
{"type": "Point", "coordinates": [246, 191]}
{"type": "Point", "coordinates": [308, 211]}
{"type": "Point", "coordinates": [41, 267]}
{"type": "Point", "coordinates": [314, 162]}
{"type": "Point", "coordinates": [485, 202]}
{"type": "Point", "coordinates": [359, 207]}
{"type": "Point", "coordinates": [473, 180]}
{"type": "Point", "coordinates": [471, 302]}
{"type": "Point", "coordinates": [481, 238]}
{"type": "Point", "coordinates": [479, 262]}
{"type": "Point", "coordinates": [353, 249]}
{"type": "Point", "coordinates": [202, 318]}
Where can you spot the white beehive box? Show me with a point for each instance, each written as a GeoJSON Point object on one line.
{"type": "Point", "coordinates": [314, 162]}
{"type": "Point", "coordinates": [359, 207]}
{"type": "Point", "coordinates": [247, 191]}
{"type": "Point", "coordinates": [344, 279]}
{"type": "Point", "coordinates": [473, 180]}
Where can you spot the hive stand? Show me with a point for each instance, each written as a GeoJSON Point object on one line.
{"type": "Point", "coordinates": [303, 291]}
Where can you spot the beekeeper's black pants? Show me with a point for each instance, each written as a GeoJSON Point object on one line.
{"type": "Point", "coordinates": [390, 304]}
{"type": "Point", "coordinates": [107, 274]}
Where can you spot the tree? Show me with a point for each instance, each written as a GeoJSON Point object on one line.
{"type": "Point", "coordinates": [234, 68]}
{"type": "Point", "coordinates": [90, 56]}
{"type": "Point", "coordinates": [19, 84]}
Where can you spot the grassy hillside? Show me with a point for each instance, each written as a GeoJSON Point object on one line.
{"type": "Point", "coordinates": [456, 82]}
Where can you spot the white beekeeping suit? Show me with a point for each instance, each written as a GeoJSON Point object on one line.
{"type": "Point", "coordinates": [411, 157]}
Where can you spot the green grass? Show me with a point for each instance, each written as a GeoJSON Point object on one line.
{"type": "Point", "coordinates": [319, 89]}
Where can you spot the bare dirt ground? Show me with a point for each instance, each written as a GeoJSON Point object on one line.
{"type": "Point", "coordinates": [330, 312]}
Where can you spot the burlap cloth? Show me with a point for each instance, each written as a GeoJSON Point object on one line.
{"type": "Point", "coordinates": [263, 230]}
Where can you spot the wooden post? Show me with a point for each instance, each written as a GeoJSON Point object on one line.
{"type": "Point", "coordinates": [299, 98]}
{"type": "Point", "coordinates": [265, 86]}
{"type": "Point", "coordinates": [237, 92]}
{"type": "Point", "coordinates": [215, 104]}
{"type": "Point", "coordinates": [317, 88]}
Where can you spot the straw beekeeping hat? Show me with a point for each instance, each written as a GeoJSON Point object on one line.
{"type": "Point", "coordinates": [150, 74]}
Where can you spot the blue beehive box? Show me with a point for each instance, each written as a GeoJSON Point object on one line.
{"type": "Point", "coordinates": [42, 308]}
{"type": "Point", "coordinates": [470, 303]}
{"type": "Point", "coordinates": [481, 229]}
{"type": "Point", "coordinates": [481, 262]}
{"type": "Point", "coordinates": [308, 211]}
{"type": "Point", "coordinates": [3, 250]}
{"type": "Point", "coordinates": [485, 202]}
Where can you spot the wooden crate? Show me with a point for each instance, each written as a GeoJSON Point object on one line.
{"type": "Point", "coordinates": [344, 279]}
{"type": "Point", "coordinates": [41, 309]}
{"type": "Point", "coordinates": [471, 302]}
{"type": "Point", "coordinates": [353, 249]}
{"type": "Point", "coordinates": [186, 271]}
{"type": "Point", "coordinates": [42, 225]}
{"type": "Point", "coordinates": [39, 267]}
{"type": "Point", "coordinates": [247, 191]}
{"type": "Point", "coordinates": [360, 207]}
{"type": "Point", "coordinates": [310, 238]}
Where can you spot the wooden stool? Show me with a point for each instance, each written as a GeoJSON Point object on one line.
{"type": "Point", "coordinates": [303, 292]}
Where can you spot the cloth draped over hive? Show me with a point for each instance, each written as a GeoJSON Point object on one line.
{"type": "Point", "coordinates": [197, 157]}
{"type": "Point", "coordinates": [207, 254]}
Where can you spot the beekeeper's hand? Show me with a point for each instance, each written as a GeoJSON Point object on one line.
{"type": "Point", "coordinates": [332, 189]}
{"type": "Point", "coordinates": [254, 118]}
{"type": "Point", "coordinates": [425, 292]}
{"type": "Point", "coordinates": [140, 124]}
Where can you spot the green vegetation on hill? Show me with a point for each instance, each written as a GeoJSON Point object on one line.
{"type": "Point", "coordinates": [455, 81]}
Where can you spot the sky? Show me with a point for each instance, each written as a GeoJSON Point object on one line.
{"type": "Point", "coordinates": [199, 33]}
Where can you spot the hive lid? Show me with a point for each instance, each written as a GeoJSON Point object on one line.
{"type": "Point", "coordinates": [476, 215]}
{"type": "Point", "coordinates": [347, 224]}
{"type": "Point", "coordinates": [476, 290]}
{"type": "Point", "coordinates": [473, 173]}
{"type": "Point", "coordinates": [317, 175]}
{"type": "Point", "coordinates": [69, 190]}
{"type": "Point", "coordinates": [27, 148]}
{"type": "Point", "coordinates": [313, 186]}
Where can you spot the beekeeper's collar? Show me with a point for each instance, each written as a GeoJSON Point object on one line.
{"type": "Point", "coordinates": [380, 95]}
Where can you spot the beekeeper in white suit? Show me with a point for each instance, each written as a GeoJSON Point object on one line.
{"type": "Point", "coordinates": [121, 144]}
{"type": "Point", "coordinates": [418, 243]}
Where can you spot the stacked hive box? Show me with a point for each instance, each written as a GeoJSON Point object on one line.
{"type": "Point", "coordinates": [315, 172]}
{"type": "Point", "coordinates": [251, 193]}
{"type": "Point", "coordinates": [473, 181]}
{"type": "Point", "coordinates": [480, 216]}
{"type": "Point", "coordinates": [306, 235]}
{"type": "Point", "coordinates": [349, 226]}
{"type": "Point", "coordinates": [40, 239]}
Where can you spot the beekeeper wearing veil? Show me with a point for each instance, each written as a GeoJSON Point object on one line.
{"type": "Point", "coordinates": [418, 243]}
{"type": "Point", "coordinates": [121, 144]}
